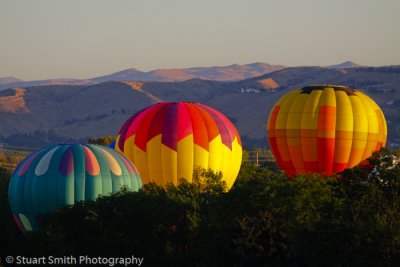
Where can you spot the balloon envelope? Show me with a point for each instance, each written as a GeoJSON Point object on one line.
{"type": "Point", "coordinates": [59, 175]}
{"type": "Point", "coordinates": [168, 141]}
{"type": "Point", "coordinates": [324, 129]}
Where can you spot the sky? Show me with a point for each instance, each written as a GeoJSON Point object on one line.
{"type": "Point", "coordinates": [45, 39]}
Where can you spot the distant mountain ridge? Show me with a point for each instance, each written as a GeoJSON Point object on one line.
{"type": "Point", "coordinates": [346, 65]}
{"type": "Point", "coordinates": [9, 80]}
{"type": "Point", "coordinates": [233, 72]}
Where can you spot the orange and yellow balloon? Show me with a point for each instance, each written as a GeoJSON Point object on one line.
{"type": "Point", "coordinates": [324, 129]}
{"type": "Point", "coordinates": [167, 141]}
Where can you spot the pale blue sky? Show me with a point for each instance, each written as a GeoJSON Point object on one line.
{"type": "Point", "coordinates": [43, 39]}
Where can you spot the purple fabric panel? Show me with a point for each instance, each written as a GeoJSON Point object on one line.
{"type": "Point", "coordinates": [169, 136]}
{"type": "Point", "coordinates": [67, 162]}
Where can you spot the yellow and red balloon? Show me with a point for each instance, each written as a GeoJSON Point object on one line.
{"type": "Point", "coordinates": [167, 141]}
{"type": "Point", "coordinates": [324, 129]}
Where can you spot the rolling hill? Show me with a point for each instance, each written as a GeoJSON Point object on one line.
{"type": "Point", "coordinates": [62, 113]}
{"type": "Point", "coordinates": [233, 72]}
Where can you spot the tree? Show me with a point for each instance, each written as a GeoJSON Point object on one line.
{"type": "Point", "coordinates": [104, 141]}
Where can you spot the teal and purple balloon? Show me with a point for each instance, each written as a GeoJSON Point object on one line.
{"type": "Point", "coordinates": [61, 175]}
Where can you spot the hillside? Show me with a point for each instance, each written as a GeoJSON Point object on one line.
{"type": "Point", "coordinates": [60, 113]}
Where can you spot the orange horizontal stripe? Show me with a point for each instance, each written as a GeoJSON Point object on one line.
{"type": "Point", "coordinates": [293, 132]}
{"type": "Point", "coordinates": [293, 141]}
{"type": "Point", "coordinates": [308, 132]}
{"type": "Point", "coordinates": [344, 135]}
{"type": "Point", "coordinates": [271, 133]}
{"type": "Point", "coordinates": [326, 133]}
{"type": "Point", "coordinates": [360, 135]}
{"type": "Point", "coordinates": [280, 132]}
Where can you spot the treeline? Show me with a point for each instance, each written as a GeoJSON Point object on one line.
{"type": "Point", "coordinates": [264, 220]}
{"type": "Point", "coordinates": [37, 139]}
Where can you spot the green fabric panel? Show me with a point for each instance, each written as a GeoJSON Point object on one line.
{"type": "Point", "coordinates": [79, 173]}
{"type": "Point", "coordinates": [39, 187]}
{"type": "Point", "coordinates": [104, 175]}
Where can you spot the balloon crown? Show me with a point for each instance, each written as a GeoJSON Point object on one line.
{"type": "Point", "coordinates": [309, 89]}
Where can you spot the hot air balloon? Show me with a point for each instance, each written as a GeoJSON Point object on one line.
{"type": "Point", "coordinates": [324, 129]}
{"type": "Point", "coordinates": [168, 141]}
{"type": "Point", "coordinates": [59, 175]}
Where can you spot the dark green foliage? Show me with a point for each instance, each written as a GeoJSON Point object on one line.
{"type": "Point", "coordinates": [266, 219]}
{"type": "Point", "coordinates": [104, 141]}
{"type": "Point", "coordinates": [11, 240]}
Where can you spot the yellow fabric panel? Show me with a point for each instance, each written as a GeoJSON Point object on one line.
{"type": "Point", "coordinates": [226, 163]}
{"type": "Point", "coordinates": [373, 125]}
{"type": "Point", "coordinates": [116, 143]}
{"type": "Point", "coordinates": [200, 157]}
{"type": "Point", "coordinates": [309, 118]}
{"type": "Point", "coordinates": [128, 147]}
{"type": "Point", "coordinates": [381, 121]}
{"type": "Point", "coordinates": [371, 145]}
{"type": "Point", "coordinates": [328, 97]}
{"type": "Point", "coordinates": [278, 103]}
{"type": "Point", "coordinates": [215, 154]}
{"type": "Point", "coordinates": [360, 131]}
{"type": "Point", "coordinates": [382, 127]}
{"type": "Point", "coordinates": [380, 116]}
{"type": "Point", "coordinates": [359, 115]}
{"type": "Point", "coordinates": [356, 153]}
{"type": "Point", "coordinates": [344, 112]}
{"type": "Point", "coordinates": [155, 170]}
{"type": "Point", "coordinates": [285, 107]}
{"type": "Point", "coordinates": [141, 164]}
{"type": "Point", "coordinates": [236, 163]}
{"type": "Point", "coordinates": [169, 164]}
{"type": "Point", "coordinates": [185, 158]}
{"type": "Point", "coordinates": [371, 114]}
{"type": "Point", "coordinates": [295, 112]}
